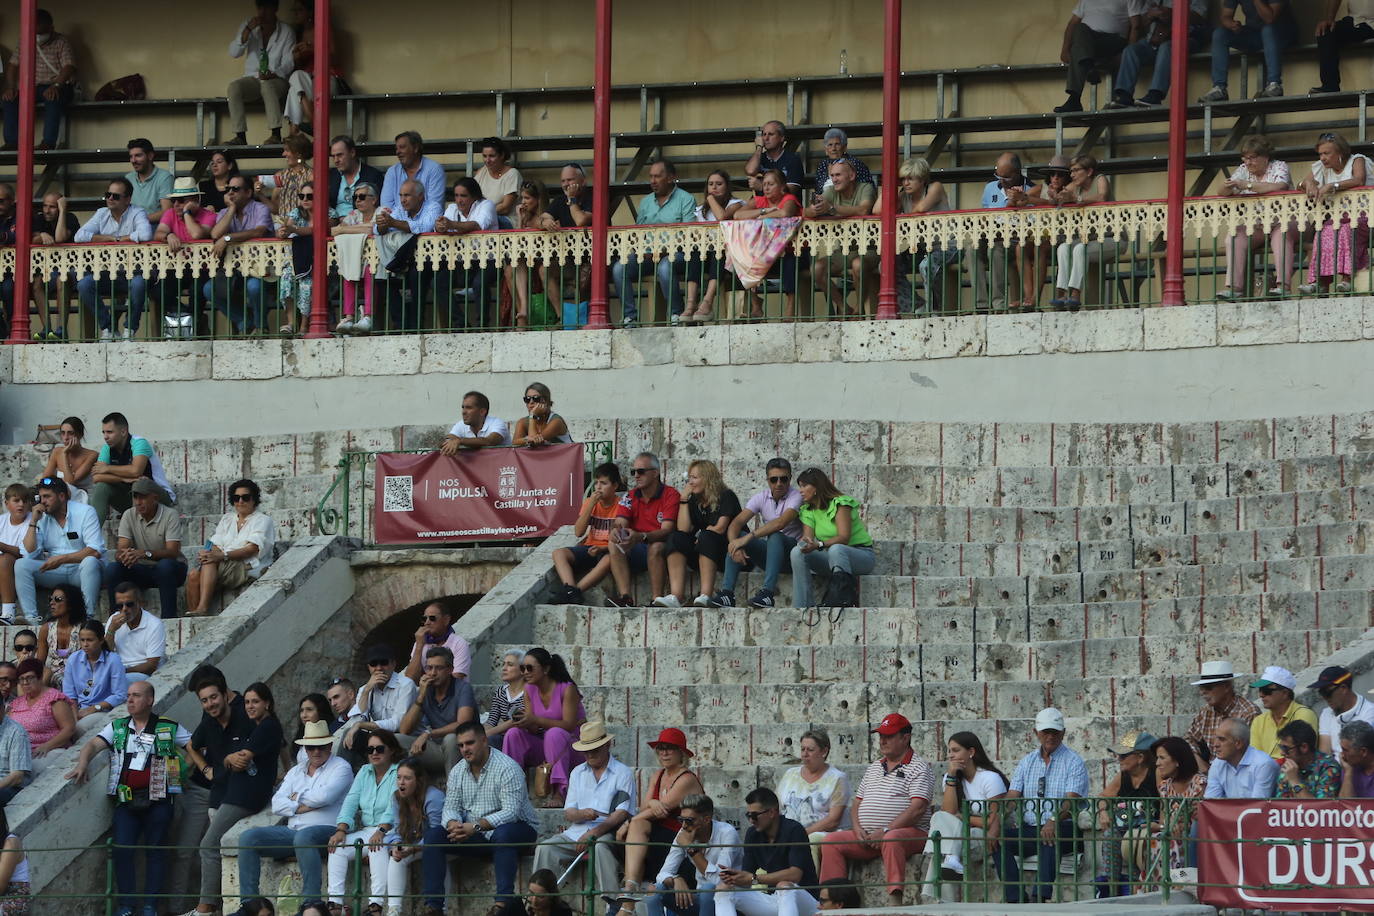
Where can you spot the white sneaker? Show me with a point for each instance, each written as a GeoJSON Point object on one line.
{"type": "Point", "coordinates": [953, 864]}
{"type": "Point", "coordinates": [126, 334]}
{"type": "Point", "coordinates": [702, 600]}
{"type": "Point", "coordinates": [344, 327]}
{"type": "Point", "coordinates": [669, 601]}
{"type": "Point", "coordinates": [1271, 91]}
{"type": "Point", "coordinates": [1308, 289]}
{"type": "Point", "coordinates": [105, 335]}
{"type": "Point", "coordinates": [1215, 94]}
{"type": "Point", "coordinates": [363, 325]}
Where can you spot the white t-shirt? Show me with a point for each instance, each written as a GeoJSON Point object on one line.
{"type": "Point", "coordinates": [492, 425]}
{"type": "Point", "coordinates": [11, 533]}
{"type": "Point", "coordinates": [257, 529]}
{"type": "Point", "coordinates": [985, 784]}
{"type": "Point", "coordinates": [1112, 17]}
{"type": "Point", "coordinates": [1330, 724]}
{"type": "Point", "coordinates": [483, 213]}
{"type": "Point", "coordinates": [494, 189]}
{"type": "Point", "coordinates": [148, 641]}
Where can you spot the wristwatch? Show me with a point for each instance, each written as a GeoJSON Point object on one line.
{"type": "Point", "coordinates": [147, 554]}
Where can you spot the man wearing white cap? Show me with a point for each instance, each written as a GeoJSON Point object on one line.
{"type": "Point", "coordinates": [1217, 684]}
{"type": "Point", "coordinates": [601, 797]}
{"type": "Point", "coordinates": [1276, 687]}
{"type": "Point", "coordinates": [1052, 773]}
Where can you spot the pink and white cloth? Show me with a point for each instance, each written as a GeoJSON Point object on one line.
{"type": "Point", "coordinates": [751, 246]}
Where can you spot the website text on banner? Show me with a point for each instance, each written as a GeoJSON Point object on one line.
{"type": "Point", "coordinates": [486, 495]}
{"type": "Point", "coordinates": [1298, 856]}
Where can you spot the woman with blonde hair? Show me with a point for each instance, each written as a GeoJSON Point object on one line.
{"type": "Point", "coordinates": [919, 193]}
{"type": "Point", "coordinates": [1259, 173]}
{"type": "Point", "coordinates": [526, 277]}
{"type": "Point", "coordinates": [704, 512]}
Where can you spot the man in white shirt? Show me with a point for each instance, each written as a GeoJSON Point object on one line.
{"type": "Point", "coordinates": [477, 429]}
{"type": "Point", "coordinates": [117, 221]}
{"type": "Point", "coordinates": [265, 45]}
{"type": "Point", "coordinates": [138, 637]}
{"type": "Point", "coordinates": [1096, 33]}
{"type": "Point", "coordinates": [62, 545]}
{"type": "Point", "coordinates": [707, 843]}
{"type": "Point", "coordinates": [309, 798]}
{"type": "Point", "coordinates": [382, 701]}
{"type": "Point", "coordinates": [1343, 706]}
{"type": "Point", "coordinates": [601, 797]}
{"type": "Point", "coordinates": [1239, 769]}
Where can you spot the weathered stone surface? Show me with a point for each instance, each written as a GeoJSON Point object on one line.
{"type": "Point", "coordinates": [456, 353]}
{"type": "Point", "coordinates": [1013, 334]}
{"type": "Point", "coordinates": [1246, 323]}
{"type": "Point", "coordinates": [702, 345]}
{"type": "Point", "coordinates": [6, 363]}
{"type": "Point", "coordinates": [521, 352]}
{"type": "Point", "coordinates": [1180, 327]}
{"type": "Point", "coordinates": [1368, 318]}
{"type": "Point", "coordinates": [879, 341]}
{"type": "Point", "coordinates": [1330, 319]}
{"type": "Point", "coordinates": [955, 335]}
{"type": "Point", "coordinates": [321, 358]}
{"type": "Point", "coordinates": [1092, 332]}
{"type": "Point", "coordinates": [395, 354]}
{"type": "Point", "coordinates": [762, 343]}
{"type": "Point", "coordinates": [249, 358]}
{"type": "Point", "coordinates": [39, 364]}
{"type": "Point", "coordinates": [820, 342]}
{"type": "Point", "coordinates": [581, 350]}
{"type": "Point", "coordinates": [641, 347]}
{"type": "Point", "coordinates": [158, 361]}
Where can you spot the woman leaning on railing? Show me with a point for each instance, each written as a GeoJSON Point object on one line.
{"type": "Point", "coordinates": [1338, 249]}
{"type": "Point", "coordinates": [1258, 173]}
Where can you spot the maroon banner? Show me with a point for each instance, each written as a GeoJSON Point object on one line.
{"type": "Point", "coordinates": [490, 494]}
{"type": "Point", "coordinates": [1300, 856]}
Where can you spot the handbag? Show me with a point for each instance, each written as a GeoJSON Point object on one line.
{"type": "Point", "coordinates": [129, 88]}
{"type": "Point", "coordinates": [841, 590]}
{"type": "Point", "coordinates": [541, 780]}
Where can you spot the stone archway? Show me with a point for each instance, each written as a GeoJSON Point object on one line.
{"type": "Point", "coordinates": [398, 630]}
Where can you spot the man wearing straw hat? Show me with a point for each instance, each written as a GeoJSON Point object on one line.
{"type": "Point", "coordinates": [601, 797]}
{"type": "Point", "coordinates": [1216, 684]}
{"type": "Point", "coordinates": [309, 798]}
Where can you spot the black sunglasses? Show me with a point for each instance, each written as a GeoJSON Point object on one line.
{"type": "Point", "coordinates": [336, 682]}
{"type": "Point", "coordinates": [686, 821]}
{"type": "Point", "coordinates": [532, 400]}
{"type": "Point", "coordinates": [526, 669]}
{"type": "Point", "coordinates": [240, 497]}
{"type": "Point", "coordinates": [56, 599]}
{"type": "Point", "coordinates": [111, 195]}
{"type": "Point", "coordinates": [638, 471]}
{"type": "Point", "coordinates": [358, 197]}
{"type": "Point", "coordinates": [1266, 691]}
{"type": "Point", "coordinates": [376, 748]}
{"type": "Point", "coordinates": [27, 647]}
{"type": "Point", "coordinates": [121, 605]}
{"type": "Point", "coordinates": [755, 815]}
{"type": "Point", "coordinates": [236, 187]}
{"type": "Point", "coordinates": [783, 479]}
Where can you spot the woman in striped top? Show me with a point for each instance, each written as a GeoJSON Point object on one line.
{"type": "Point", "coordinates": [505, 699]}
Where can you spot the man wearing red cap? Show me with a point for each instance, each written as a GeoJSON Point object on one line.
{"type": "Point", "coordinates": [891, 810]}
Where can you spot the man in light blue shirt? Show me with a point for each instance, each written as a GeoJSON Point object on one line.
{"type": "Point", "coordinates": [414, 214]}
{"type": "Point", "coordinates": [412, 164]}
{"type": "Point", "coordinates": [117, 221]}
{"type": "Point", "coordinates": [1239, 770]}
{"type": "Point", "coordinates": [990, 262]}
{"type": "Point", "coordinates": [62, 545]}
{"type": "Point", "coordinates": [667, 204]}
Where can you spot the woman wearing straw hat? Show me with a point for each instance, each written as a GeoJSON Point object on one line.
{"type": "Point", "coordinates": [657, 823]}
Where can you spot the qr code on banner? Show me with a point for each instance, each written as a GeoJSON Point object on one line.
{"type": "Point", "coordinates": [398, 494]}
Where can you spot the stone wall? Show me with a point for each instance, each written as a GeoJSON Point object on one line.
{"type": "Point", "coordinates": [1228, 360]}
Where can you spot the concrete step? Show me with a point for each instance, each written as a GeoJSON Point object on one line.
{"type": "Point", "coordinates": [912, 663]}
{"type": "Point", "coordinates": [1234, 614]}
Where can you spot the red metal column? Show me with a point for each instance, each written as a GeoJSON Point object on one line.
{"type": "Point", "coordinates": [23, 185]}
{"type": "Point", "coordinates": [597, 315]}
{"type": "Point", "coordinates": [319, 217]}
{"type": "Point", "coordinates": [892, 69]}
{"type": "Point", "coordinates": [1178, 162]}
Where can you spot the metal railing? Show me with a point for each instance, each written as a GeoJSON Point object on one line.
{"type": "Point", "coordinates": [952, 262]}
{"type": "Point", "coordinates": [347, 506]}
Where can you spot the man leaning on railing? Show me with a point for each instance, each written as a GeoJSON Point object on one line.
{"type": "Point", "coordinates": [117, 221]}
{"type": "Point", "coordinates": [1047, 778]}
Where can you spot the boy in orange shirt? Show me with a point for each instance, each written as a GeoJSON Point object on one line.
{"type": "Point", "coordinates": [590, 559]}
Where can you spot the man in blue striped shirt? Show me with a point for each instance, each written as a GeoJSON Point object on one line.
{"type": "Point", "coordinates": [487, 814]}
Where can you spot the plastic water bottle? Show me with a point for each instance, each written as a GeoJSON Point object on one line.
{"type": "Point", "coordinates": [844, 62]}
{"type": "Point", "coordinates": [263, 68]}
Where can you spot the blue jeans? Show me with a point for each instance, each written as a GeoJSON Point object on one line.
{"type": "Point", "coordinates": [1021, 839]}
{"type": "Point", "coordinates": [135, 287]}
{"type": "Point", "coordinates": [857, 561]}
{"type": "Point", "coordinates": [625, 275]}
{"type": "Point", "coordinates": [167, 575]}
{"type": "Point", "coordinates": [283, 843]}
{"type": "Point", "coordinates": [666, 902]}
{"type": "Point", "coordinates": [1272, 39]}
{"type": "Point", "coordinates": [27, 577]}
{"type": "Point", "coordinates": [932, 269]}
{"type": "Point", "coordinates": [1136, 56]}
{"type": "Point", "coordinates": [239, 299]}
{"type": "Point", "coordinates": [766, 552]}
{"type": "Point", "coordinates": [151, 824]}
{"type": "Point", "coordinates": [52, 114]}
{"type": "Point", "coordinates": [504, 846]}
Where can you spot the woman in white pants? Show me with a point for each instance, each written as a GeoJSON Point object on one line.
{"type": "Point", "coordinates": [416, 806]}
{"type": "Point", "coordinates": [971, 777]}
{"type": "Point", "coordinates": [365, 816]}
{"type": "Point", "coordinates": [1086, 186]}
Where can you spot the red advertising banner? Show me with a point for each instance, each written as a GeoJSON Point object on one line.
{"type": "Point", "coordinates": [1284, 854]}
{"type": "Point", "coordinates": [488, 495]}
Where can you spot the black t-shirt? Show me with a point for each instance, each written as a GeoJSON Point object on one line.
{"type": "Point", "coordinates": [215, 742]}
{"type": "Point", "coordinates": [559, 209]}
{"type": "Point", "coordinates": [252, 788]}
{"type": "Point", "coordinates": [791, 849]}
{"type": "Point", "coordinates": [788, 162]}
{"type": "Point", "coordinates": [700, 518]}
{"type": "Point", "coordinates": [42, 224]}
